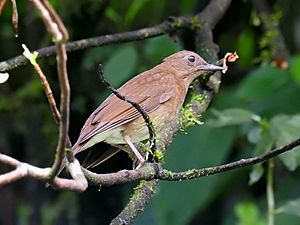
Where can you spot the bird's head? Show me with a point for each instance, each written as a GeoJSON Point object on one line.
{"type": "Point", "coordinates": [189, 65]}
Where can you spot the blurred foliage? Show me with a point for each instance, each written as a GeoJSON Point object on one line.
{"type": "Point", "coordinates": [248, 214]}
{"type": "Point", "coordinates": [256, 110]}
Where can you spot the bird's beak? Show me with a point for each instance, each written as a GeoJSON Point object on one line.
{"type": "Point", "coordinates": [209, 67]}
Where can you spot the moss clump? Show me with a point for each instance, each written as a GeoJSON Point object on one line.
{"type": "Point", "coordinates": [194, 22]}
{"type": "Point", "coordinates": [189, 117]}
{"type": "Point", "coordinates": [158, 155]}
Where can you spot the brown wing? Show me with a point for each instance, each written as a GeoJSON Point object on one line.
{"type": "Point", "coordinates": [114, 112]}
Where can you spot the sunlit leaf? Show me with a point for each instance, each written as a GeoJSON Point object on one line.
{"type": "Point", "coordinates": [291, 207]}
{"type": "Point", "coordinates": [3, 77]}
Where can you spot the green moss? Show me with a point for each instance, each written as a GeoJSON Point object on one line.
{"type": "Point", "coordinates": [68, 150]}
{"type": "Point", "coordinates": [189, 118]}
{"type": "Point", "coordinates": [194, 22]}
{"type": "Point", "coordinates": [177, 24]}
{"type": "Point", "coordinates": [158, 155]}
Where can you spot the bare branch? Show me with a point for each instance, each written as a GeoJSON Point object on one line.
{"type": "Point", "coordinates": [2, 6]}
{"type": "Point", "coordinates": [152, 171]}
{"type": "Point", "coordinates": [60, 35]}
{"type": "Point", "coordinates": [78, 183]}
{"type": "Point", "coordinates": [15, 17]}
{"type": "Point", "coordinates": [168, 26]}
{"type": "Point", "coordinates": [64, 110]}
{"type": "Point", "coordinates": [279, 50]}
{"type": "Point", "coordinates": [46, 86]}
{"type": "Point", "coordinates": [48, 20]}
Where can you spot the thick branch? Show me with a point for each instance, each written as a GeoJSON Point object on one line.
{"type": "Point", "coordinates": [78, 183]}
{"type": "Point", "coordinates": [278, 47]}
{"type": "Point", "coordinates": [141, 197]}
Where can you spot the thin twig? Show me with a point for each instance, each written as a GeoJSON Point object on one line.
{"type": "Point", "coordinates": [140, 109]}
{"type": "Point", "coordinates": [2, 6]}
{"type": "Point", "coordinates": [15, 17]}
{"type": "Point", "coordinates": [194, 173]}
{"type": "Point", "coordinates": [46, 86]}
{"type": "Point", "coordinates": [153, 170]}
{"type": "Point", "coordinates": [270, 193]}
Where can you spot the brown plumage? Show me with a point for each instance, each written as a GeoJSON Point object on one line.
{"type": "Point", "coordinates": [160, 91]}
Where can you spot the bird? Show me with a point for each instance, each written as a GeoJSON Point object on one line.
{"type": "Point", "coordinates": [160, 91]}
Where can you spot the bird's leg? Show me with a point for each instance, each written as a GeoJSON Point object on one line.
{"type": "Point", "coordinates": [135, 151]}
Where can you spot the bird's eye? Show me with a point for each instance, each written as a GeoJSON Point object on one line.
{"type": "Point", "coordinates": [191, 58]}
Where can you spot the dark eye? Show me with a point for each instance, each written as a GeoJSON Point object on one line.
{"type": "Point", "coordinates": [191, 58]}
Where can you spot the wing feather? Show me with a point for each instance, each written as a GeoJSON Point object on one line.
{"type": "Point", "coordinates": [114, 112]}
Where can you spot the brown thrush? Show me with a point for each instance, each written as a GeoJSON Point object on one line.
{"type": "Point", "coordinates": [160, 91]}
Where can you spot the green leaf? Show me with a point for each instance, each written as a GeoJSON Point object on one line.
{"type": "Point", "coordinates": [291, 207]}
{"type": "Point", "coordinates": [264, 142]}
{"type": "Point", "coordinates": [113, 15]}
{"type": "Point", "coordinates": [188, 6]}
{"type": "Point", "coordinates": [32, 89]}
{"type": "Point", "coordinates": [255, 174]}
{"type": "Point", "coordinates": [246, 47]}
{"type": "Point", "coordinates": [94, 56]}
{"type": "Point", "coordinates": [233, 116]}
{"type": "Point", "coordinates": [121, 65]}
{"type": "Point", "coordinates": [134, 8]}
{"type": "Point", "coordinates": [295, 68]}
{"type": "Point", "coordinates": [248, 214]}
{"type": "Point", "coordinates": [153, 48]}
{"type": "Point", "coordinates": [262, 82]}
{"type": "Point", "coordinates": [285, 129]}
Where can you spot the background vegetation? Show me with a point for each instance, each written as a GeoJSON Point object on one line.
{"type": "Point", "coordinates": [256, 109]}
